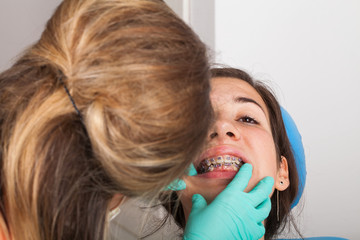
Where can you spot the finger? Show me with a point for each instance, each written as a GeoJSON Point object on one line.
{"type": "Point", "coordinates": [241, 179]}
{"type": "Point", "coordinates": [176, 185]}
{"type": "Point", "coordinates": [263, 210]}
{"type": "Point", "coordinates": [198, 203]}
{"type": "Point", "coordinates": [260, 231]}
{"type": "Point", "coordinates": [192, 170]}
{"type": "Point", "coordinates": [253, 231]}
{"type": "Point", "coordinates": [261, 191]}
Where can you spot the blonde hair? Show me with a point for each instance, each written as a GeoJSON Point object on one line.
{"type": "Point", "coordinates": [139, 77]}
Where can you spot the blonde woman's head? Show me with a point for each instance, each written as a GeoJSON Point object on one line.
{"type": "Point", "coordinates": [138, 76]}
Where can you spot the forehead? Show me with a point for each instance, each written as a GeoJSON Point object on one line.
{"type": "Point", "coordinates": [227, 89]}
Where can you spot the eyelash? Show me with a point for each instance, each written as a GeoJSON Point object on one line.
{"type": "Point", "coordinates": [248, 119]}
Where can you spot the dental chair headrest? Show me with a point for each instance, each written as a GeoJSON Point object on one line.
{"type": "Point", "coordinates": [298, 151]}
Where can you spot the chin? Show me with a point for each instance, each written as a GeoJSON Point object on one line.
{"type": "Point", "coordinates": [209, 188]}
{"type": "Point", "coordinates": [211, 194]}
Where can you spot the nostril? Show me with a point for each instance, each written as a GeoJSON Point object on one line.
{"type": "Point", "coordinates": [213, 135]}
{"type": "Point", "coordinates": [230, 134]}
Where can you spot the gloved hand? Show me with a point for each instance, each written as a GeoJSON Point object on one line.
{"type": "Point", "coordinates": [233, 214]}
{"type": "Point", "coordinates": [179, 184]}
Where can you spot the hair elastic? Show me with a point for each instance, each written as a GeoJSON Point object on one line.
{"type": "Point", "coordinates": [61, 75]}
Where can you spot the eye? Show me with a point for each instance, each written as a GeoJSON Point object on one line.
{"type": "Point", "coordinates": [247, 119]}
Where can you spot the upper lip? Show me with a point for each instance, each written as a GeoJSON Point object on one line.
{"type": "Point", "coordinates": [221, 150]}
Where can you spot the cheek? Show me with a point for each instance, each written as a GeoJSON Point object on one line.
{"type": "Point", "coordinates": [263, 158]}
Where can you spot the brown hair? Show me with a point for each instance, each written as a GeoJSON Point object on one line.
{"type": "Point", "coordinates": [283, 148]}
{"type": "Point", "coordinates": [140, 79]}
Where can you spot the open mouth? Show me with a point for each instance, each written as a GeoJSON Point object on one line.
{"type": "Point", "coordinates": [222, 163]}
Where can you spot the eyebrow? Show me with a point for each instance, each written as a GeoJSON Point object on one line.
{"type": "Point", "coordinates": [247, 100]}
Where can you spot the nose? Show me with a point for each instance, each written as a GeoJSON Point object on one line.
{"type": "Point", "coordinates": [224, 129]}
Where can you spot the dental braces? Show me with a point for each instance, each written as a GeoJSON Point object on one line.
{"type": "Point", "coordinates": [226, 161]}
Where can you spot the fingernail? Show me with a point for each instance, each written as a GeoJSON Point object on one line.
{"type": "Point", "coordinates": [247, 165]}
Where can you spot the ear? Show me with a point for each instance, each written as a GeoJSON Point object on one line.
{"type": "Point", "coordinates": [282, 181]}
{"type": "Point", "coordinates": [116, 201]}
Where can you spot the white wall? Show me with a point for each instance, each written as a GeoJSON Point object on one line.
{"type": "Point", "coordinates": [21, 23]}
{"type": "Point", "coordinates": [309, 52]}
{"type": "Point", "coordinates": [200, 15]}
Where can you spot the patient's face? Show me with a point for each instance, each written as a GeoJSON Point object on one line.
{"type": "Point", "coordinates": [241, 133]}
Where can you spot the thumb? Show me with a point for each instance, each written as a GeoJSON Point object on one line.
{"type": "Point", "coordinates": [192, 170]}
{"type": "Point", "coordinates": [176, 185]}
{"type": "Point", "coordinates": [198, 203]}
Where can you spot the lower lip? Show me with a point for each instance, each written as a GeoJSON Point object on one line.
{"type": "Point", "coordinates": [219, 174]}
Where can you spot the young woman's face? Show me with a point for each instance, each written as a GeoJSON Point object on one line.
{"type": "Point", "coordinates": [241, 133]}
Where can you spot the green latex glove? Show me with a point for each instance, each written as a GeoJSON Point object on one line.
{"type": "Point", "coordinates": [179, 184]}
{"type": "Point", "coordinates": [233, 214]}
